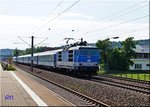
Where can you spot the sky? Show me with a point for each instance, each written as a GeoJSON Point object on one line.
{"type": "Point", "coordinates": [91, 20]}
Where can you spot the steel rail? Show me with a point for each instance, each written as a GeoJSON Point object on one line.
{"type": "Point", "coordinates": [88, 99]}
{"type": "Point", "coordinates": [124, 86]}
{"type": "Point", "coordinates": [126, 79]}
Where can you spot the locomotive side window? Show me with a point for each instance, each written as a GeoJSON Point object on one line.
{"type": "Point", "coordinates": [59, 56]}
{"type": "Point", "coordinates": [70, 56]}
{"type": "Point", "coordinates": [77, 52]}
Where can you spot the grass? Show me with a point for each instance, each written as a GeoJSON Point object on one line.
{"type": "Point", "coordinates": [10, 67]}
{"type": "Point", "coordinates": [129, 74]}
{"type": "Point", "coordinates": [76, 87]}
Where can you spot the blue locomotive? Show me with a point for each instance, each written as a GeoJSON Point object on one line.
{"type": "Point", "coordinates": [77, 58]}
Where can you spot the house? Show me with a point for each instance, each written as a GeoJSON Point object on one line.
{"type": "Point", "coordinates": [142, 62]}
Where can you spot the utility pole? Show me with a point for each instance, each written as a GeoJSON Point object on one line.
{"type": "Point", "coordinates": [32, 48]}
{"type": "Point", "coordinates": [107, 58]}
{"type": "Point", "coordinates": [108, 52]}
{"type": "Point", "coordinates": [32, 39]}
{"type": "Point", "coordinates": [17, 53]}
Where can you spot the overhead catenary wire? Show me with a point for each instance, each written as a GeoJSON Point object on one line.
{"type": "Point", "coordinates": [28, 43]}
{"type": "Point", "coordinates": [124, 14]}
{"type": "Point", "coordinates": [52, 20]}
{"type": "Point", "coordinates": [114, 15]}
{"type": "Point", "coordinates": [118, 30]}
{"type": "Point", "coordinates": [136, 30]}
{"type": "Point", "coordinates": [24, 41]}
{"type": "Point", "coordinates": [48, 15]}
{"type": "Point", "coordinates": [59, 4]}
{"type": "Point", "coordinates": [116, 24]}
{"type": "Point", "coordinates": [41, 42]}
{"type": "Point", "coordinates": [86, 32]}
{"type": "Point", "coordinates": [125, 33]}
{"type": "Point", "coordinates": [58, 15]}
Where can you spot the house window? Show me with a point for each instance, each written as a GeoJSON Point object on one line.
{"type": "Point", "coordinates": [147, 64]}
{"type": "Point", "coordinates": [139, 55]}
{"type": "Point", "coordinates": [145, 55]}
{"type": "Point", "coordinates": [138, 66]}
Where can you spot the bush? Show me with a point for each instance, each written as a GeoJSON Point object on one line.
{"type": "Point", "coordinates": [10, 67]}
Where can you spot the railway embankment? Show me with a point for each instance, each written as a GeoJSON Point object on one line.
{"type": "Point", "coordinates": [110, 94]}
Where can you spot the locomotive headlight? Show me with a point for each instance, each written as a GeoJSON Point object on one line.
{"type": "Point", "coordinates": [95, 64]}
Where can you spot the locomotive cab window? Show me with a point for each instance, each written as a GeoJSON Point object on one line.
{"type": "Point", "coordinates": [90, 52]}
{"type": "Point", "coordinates": [93, 52]}
{"type": "Point", "coordinates": [59, 56]}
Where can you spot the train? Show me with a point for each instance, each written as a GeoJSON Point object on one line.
{"type": "Point", "coordinates": [76, 58]}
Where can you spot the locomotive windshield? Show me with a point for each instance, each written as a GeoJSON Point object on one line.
{"type": "Point", "coordinates": [88, 52]}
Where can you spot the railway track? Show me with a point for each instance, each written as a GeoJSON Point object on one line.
{"type": "Point", "coordinates": [126, 79]}
{"type": "Point", "coordinates": [124, 86]}
{"type": "Point", "coordinates": [121, 84]}
{"type": "Point", "coordinates": [88, 99]}
{"type": "Point", "coordinates": [135, 88]}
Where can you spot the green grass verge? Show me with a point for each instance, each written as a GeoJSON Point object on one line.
{"type": "Point", "coordinates": [130, 74]}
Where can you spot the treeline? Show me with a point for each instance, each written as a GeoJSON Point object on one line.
{"type": "Point", "coordinates": [28, 51]}
{"type": "Point", "coordinates": [117, 58]}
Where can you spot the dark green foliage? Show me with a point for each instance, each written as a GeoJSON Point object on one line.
{"type": "Point", "coordinates": [39, 49]}
{"type": "Point", "coordinates": [118, 58]}
{"type": "Point", "coordinates": [17, 52]}
{"type": "Point", "coordinates": [115, 59]}
{"type": "Point", "coordinates": [127, 50]}
{"type": "Point", "coordinates": [141, 42]}
{"type": "Point", "coordinates": [104, 47]}
{"type": "Point", "coordinates": [28, 51]}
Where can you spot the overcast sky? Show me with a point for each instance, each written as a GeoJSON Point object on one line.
{"type": "Point", "coordinates": [91, 19]}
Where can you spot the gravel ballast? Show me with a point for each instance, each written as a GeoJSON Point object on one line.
{"type": "Point", "coordinates": [108, 94]}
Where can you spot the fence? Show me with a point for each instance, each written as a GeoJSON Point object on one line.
{"type": "Point", "coordinates": [129, 74]}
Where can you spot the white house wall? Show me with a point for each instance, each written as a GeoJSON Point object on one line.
{"type": "Point", "coordinates": [143, 62]}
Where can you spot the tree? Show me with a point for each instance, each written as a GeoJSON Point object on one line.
{"type": "Point", "coordinates": [28, 51]}
{"type": "Point", "coordinates": [127, 51]}
{"type": "Point", "coordinates": [115, 58]}
{"type": "Point", "coordinates": [39, 49]}
{"type": "Point", "coordinates": [119, 59]}
{"type": "Point", "coordinates": [17, 52]}
{"type": "Point", "coordinates": [105, 47]}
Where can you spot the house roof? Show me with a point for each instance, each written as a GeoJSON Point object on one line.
{"type": "Point", "coordinates": [142, 49]}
